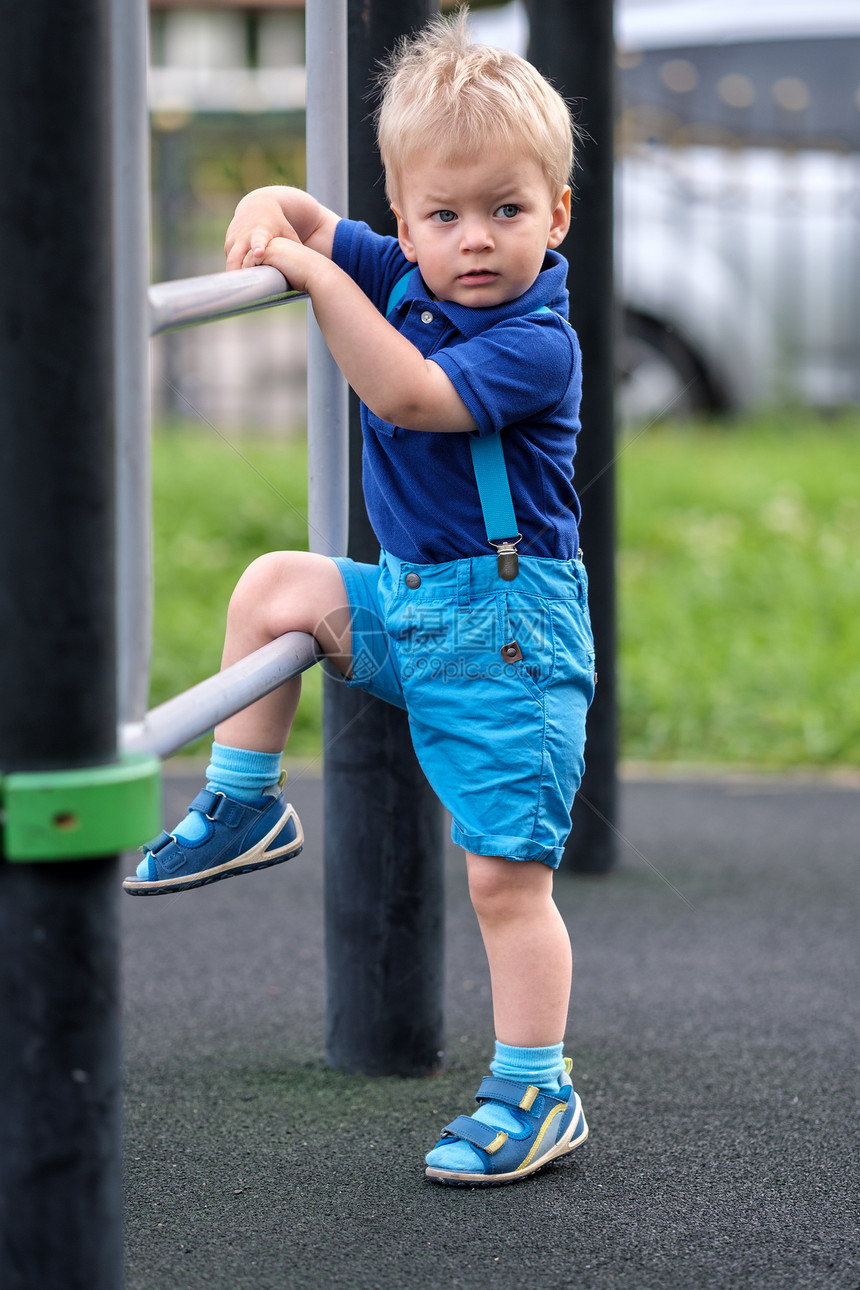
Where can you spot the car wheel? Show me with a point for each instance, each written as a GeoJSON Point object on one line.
{"type": "Point", "coordinates": [659, 379]}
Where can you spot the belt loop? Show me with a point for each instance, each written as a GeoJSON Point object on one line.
{"type": "Point", "coordinates": [464, 583]}
{"type": "Point", "coordinates": [581, 583]}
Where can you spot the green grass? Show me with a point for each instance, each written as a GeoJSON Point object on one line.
{"type": "Point", "coordinates": [218, 503]}
{"type": "Point", "coordinates": [739, 581]}
{"type": "Point", "coordinates": [739, 593]}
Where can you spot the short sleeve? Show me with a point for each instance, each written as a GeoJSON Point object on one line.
{"type": "Point", "coordinates": [515, 372]}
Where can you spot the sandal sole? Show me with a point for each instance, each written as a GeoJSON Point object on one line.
{"type": "Point", "coordinates": [245, 863]}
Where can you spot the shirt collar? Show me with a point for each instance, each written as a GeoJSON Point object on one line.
{"type": "Point", "coordinates": [548, 289]}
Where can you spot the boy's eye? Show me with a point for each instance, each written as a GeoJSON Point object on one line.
{"type": "Point", "coordinates": [508, 211]}
{"type": "Point", "coordinates": [445, 217]}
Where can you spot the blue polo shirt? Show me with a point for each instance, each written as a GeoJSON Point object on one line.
{"type": "Point", "coordinates": [517, 371]}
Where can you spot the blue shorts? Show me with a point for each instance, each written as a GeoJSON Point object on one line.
{"type": "Point", "coordinates": [496, 678]}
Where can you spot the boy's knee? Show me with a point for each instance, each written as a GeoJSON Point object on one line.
{"type": "Point", "coordinates": [293, 591]}
{"type": "Point", "coordinates": [499, 887]}
{"type": "Point", "coordinates": [492, 885]}
{"type": "Point", "coordinates": [262, 578]}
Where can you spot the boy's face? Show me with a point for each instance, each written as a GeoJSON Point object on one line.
{"type": "Point", "coordinates": [478, 229]}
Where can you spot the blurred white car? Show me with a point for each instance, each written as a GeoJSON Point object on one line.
{"type": "Point", "coordinates": [738, 205]}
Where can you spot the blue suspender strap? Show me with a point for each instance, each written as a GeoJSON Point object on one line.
{"type": "Point", "coordinates": [398, 291]}
{"type": "Point", "coordinates": [494, 490]}
{"type": "Point", "coordinates": [491, 474]}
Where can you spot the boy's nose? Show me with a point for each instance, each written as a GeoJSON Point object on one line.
{"type": "Point", "coordinates": [476, 235]}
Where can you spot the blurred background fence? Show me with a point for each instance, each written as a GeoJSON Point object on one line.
{"type": "Point", "coordinates": [738, 209]}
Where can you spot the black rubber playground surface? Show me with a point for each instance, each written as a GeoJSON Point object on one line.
{"type": "Point", "coordinates": [715, 1034]}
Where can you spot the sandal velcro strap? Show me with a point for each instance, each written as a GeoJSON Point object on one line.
{"type": "Point", "coordinates": [157, 843]}
{"type": "Point", "coordinates": [478, 1134]}
{"type": "Point", "coordinates": [217, 807]}
{"type": "Point", "coordinates": [525, 1097]}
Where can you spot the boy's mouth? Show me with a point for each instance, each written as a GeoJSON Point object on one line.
{"type": "Point", "coordinates": [477, 277]}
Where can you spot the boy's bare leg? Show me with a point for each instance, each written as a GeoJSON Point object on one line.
{"type": "Point", "coordinates": [285, 591]}
{"type": "Point", "coordinates": [242, 821]}
{"type": "Point", "coordinates": [528, 949]}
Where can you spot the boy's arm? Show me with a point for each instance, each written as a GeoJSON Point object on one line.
{"type": "Point", "coordinates": [277, 212]}
{"type": "Point", "coordinates": [385, 369]}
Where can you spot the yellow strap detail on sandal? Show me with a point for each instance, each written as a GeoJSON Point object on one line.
{"type": "Point", "coordinates": [528, 1097]}
{"type": "Point", "coordinates": [556, 1110]}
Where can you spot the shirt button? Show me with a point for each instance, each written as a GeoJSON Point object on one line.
{"type": "Point", "coordinates": [412, 580]}
{"type": "Point", "coordinates": [426, 317]}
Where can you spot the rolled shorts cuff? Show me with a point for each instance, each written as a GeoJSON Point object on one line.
{"type": "Point", "coordinates": [508, 848]}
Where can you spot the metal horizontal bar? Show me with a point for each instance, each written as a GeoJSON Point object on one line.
{"type": "Point", "coordinates": [172, 725]}
{"type": "Point", "coordinates": [213, 296]}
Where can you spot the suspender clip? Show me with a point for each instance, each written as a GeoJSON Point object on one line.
{"type": "Point", "coordinates": [509, 565]}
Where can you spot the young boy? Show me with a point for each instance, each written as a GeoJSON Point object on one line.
{"type": "Point", "coordinates": [489, 651]}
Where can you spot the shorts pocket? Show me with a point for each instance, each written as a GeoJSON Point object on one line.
{"type": "Point", "coordinates": [528, 624]}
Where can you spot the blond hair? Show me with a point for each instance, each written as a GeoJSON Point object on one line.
{"type": "Point", "coordinates": [455, 99]}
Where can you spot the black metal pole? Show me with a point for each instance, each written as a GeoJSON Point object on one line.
{"type": "Point", "coordinates": [573, 45]}
{"type": "Point", "coordinates": [60, 1193]}
{"type": "Point", "coordinates": [383, 825]}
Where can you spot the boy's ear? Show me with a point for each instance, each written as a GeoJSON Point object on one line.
{"type": "Point", "coordinates": [560, 222]}
{"type": "Point", "coordinates": [403, 236]}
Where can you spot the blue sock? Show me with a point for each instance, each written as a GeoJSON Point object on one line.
{"type": "Point", "coordinates": [539, 1066]}
{"type": "Point", "coordinates": [239, 773]}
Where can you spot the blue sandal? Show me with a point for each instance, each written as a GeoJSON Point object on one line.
{"type": "Point", "coordinates": [552, 1126]}
{"type": "Point", "coordinates": [239, 837]}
